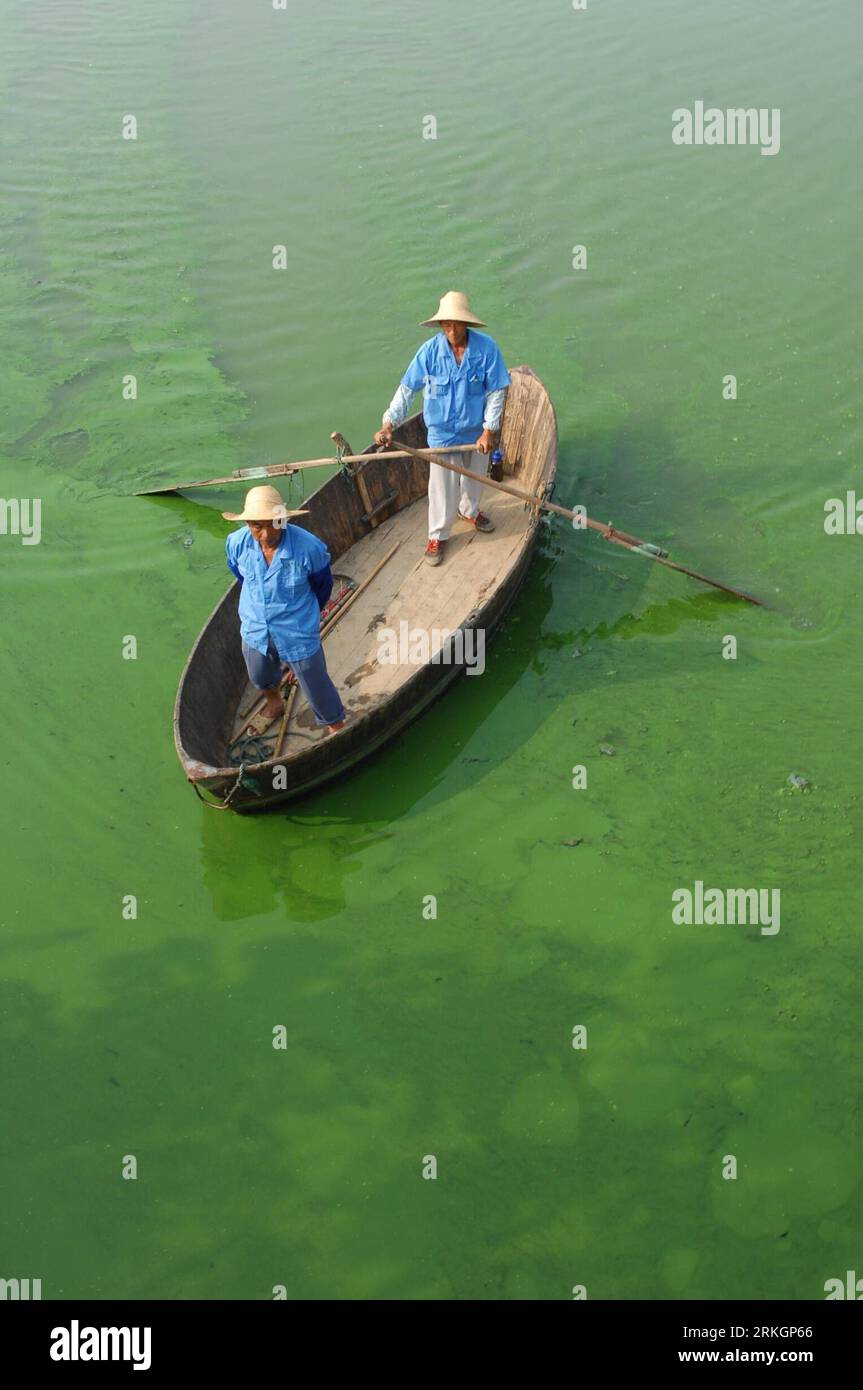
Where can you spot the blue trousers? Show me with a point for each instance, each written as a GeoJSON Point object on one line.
{"type": "Point", "coordinates": [311, 674]}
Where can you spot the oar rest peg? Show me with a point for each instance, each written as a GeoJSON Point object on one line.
{"type": "Point", "coordinates": [372, 514]}
{"type": "Point", "coordinates": [343, 448]}
{"type": "Point", "coordinates": [340, 442]}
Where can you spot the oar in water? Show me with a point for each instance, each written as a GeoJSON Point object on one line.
{"type": "Point", "coordinates": [281, 470]}
{"type": "Point", "coordinates": [609, 532]}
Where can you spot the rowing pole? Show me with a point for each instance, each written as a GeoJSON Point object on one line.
{"type": "Point", "coordinates": [281, 470]}
{"type": "Point", "coordinates": [608, 532]}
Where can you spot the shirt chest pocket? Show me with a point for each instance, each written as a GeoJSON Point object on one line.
{"type": "Point", "coordinates": [475, 384]}
{"type": "Point", "coordinates": [291, 580]}
{"type": "Point", "coordinates": [250, 577]}
{"type": "Point", "coordinates": [437, 394]}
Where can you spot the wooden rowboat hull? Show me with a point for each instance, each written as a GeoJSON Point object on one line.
{"type": "Point", "coordinates": [361, 518]}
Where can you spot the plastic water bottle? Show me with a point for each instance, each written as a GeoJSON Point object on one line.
{"type": "Point", "coordinates": [495, 472]}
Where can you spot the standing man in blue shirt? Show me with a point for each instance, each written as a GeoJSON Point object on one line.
{"type": "Point", "coordinates": [464, 379]}
{"type": "Point", "coordinates": [286, 578]}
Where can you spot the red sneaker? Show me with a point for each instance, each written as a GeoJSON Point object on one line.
{"type": "Point", "coordinates": [434, 552]}
{"type": "Point", "coordinates": [480, 521]}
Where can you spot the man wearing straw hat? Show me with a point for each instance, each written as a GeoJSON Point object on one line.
{"type": "Point", "coordinates": [286, 580]}
{"type": "Point", "coordinates": [463, 377]}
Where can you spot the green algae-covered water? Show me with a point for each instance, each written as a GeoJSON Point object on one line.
{"type": "Point", "coordinates": [604, 1166]}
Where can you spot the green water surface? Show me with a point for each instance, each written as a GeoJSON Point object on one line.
{"type": "Point", "coordinates": [409, 1037]}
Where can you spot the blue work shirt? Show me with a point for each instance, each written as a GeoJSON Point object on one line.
{"type": "Point", "coordinates": [454, 392]}
{"type": "Point", "coordinates": [282, 600]}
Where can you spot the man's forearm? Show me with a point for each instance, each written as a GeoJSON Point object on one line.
{"type": "Point", "coordinates": [398, 408]}
{"type": "Point", "coordinates": [493, 409]}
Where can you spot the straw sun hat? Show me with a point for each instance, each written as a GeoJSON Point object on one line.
{"type": "Point", "coordinates": [264, 504]}
{"type": "Point", "coordinates": [454, 306]}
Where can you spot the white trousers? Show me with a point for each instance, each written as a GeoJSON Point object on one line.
{"type": "Point", "coordinates": [450, 493]}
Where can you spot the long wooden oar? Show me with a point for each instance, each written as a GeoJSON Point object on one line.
{"type": "Point", "coordinates": [609, 532]}
{"type": "Point", "coordinates": [281, 470]}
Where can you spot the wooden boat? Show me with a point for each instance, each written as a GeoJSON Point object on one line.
{"type": "Point", "coordinates": [367, 514]}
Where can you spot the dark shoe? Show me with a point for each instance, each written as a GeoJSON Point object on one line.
{"type": "Point", "coordinates": [434, 552]}
{"type": "Point", "coordinates": [480, 521]}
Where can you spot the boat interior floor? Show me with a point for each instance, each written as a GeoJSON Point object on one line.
{"type": "Point", "coordinates": [407, 589]}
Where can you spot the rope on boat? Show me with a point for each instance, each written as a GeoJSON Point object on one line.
{"type": "Point", "coordinates": [235, 788]}
{"type": "Point", "coordinates": [226, 804]}
{"type": "Point", "coordinates": [253, 749]}
{"type": "Point", "coordinates": [346, 469]}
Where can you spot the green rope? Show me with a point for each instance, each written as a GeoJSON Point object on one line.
{"type": "Point", "coordinates": [254, 749]}
{"type": "Point", "coordinates": [292, 488]}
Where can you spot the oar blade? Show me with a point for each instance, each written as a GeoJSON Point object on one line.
{"type": "Point", "coordinates": [714, 583]}
{"type": "Point", "coordinates": [155, 491]}
{"type": "Point", "coordinates": [168, 488]}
